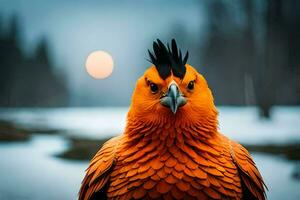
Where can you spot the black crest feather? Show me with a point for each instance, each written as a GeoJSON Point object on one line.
{"type": "Point", "coordinates": [167, 60]}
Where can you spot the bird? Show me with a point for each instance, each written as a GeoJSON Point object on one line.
{"type": "Point", "coordinates": [171, 147]}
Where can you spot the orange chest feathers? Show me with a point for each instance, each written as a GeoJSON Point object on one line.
{"type": "Point", "coordinates": [160, 169]}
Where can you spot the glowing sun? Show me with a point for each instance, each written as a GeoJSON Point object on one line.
{"type": "Point", "coordinates": [99, 64]}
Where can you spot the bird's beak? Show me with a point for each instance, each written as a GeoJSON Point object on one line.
{"type": "Point", "coordinates": [173, 98]}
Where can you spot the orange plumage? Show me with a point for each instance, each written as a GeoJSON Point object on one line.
{"type": "Point", "coordinates": [171, 147]}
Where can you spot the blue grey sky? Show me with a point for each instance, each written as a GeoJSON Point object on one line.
{"type": "Point", "coordinates": [125, 29]}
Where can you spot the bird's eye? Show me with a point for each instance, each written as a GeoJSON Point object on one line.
{"type": "Point", "coordinates": [153, 87]}
{"type": "Point", "coordinates": [191, 85]}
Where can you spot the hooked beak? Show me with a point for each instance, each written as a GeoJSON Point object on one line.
{"type": "Point", "coordinates": [173, 99]}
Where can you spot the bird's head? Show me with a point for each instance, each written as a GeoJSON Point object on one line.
{"type": "Point", "coordinates": [171, 89]}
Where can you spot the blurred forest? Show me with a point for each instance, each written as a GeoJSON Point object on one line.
{"type": "Point", "coordinates": [252, 63]}
{"type": "Point", "coordinates": [257, 63]}
{"type": "Point", "coordinates": [27, 82]}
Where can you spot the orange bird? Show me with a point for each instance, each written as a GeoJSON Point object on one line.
{"type": "Point", "coordinates": [171, 147]}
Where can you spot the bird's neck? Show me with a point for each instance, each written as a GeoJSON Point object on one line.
{"type": "Point", "coordinates": [168, 128]}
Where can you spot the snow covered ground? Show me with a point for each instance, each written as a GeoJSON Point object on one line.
{"type": "Point", "coordinates": [29, 171]}
{"type": "Point", "coordinates": [239, 123]}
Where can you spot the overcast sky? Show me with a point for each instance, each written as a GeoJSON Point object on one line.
{"type": "Point", "coordinates": [124, 28]}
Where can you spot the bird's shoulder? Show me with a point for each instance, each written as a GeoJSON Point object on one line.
{"type": "Point", "coordinates": [251, 179]}
{"type": "Point", "coordinates": [98, 172]}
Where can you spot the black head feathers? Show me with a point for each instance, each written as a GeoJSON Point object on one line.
{"type": "Point", "coordinates": [168, 60]}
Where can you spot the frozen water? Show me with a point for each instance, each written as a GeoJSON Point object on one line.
{"type": "Point", "coordinates": [239, 123]}
{"type": "Point", "coordinates": [29, 171]}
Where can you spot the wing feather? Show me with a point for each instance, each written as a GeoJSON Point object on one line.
{"type": "Point", "coordinates": [98, 172]}
{"type": "Point", "coordinates": [252, 182]}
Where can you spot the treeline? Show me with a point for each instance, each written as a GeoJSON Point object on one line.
{"type": "Point", "coordinates": [252, 52]}
{"type": "Point", "coordinates": [27, 81]}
